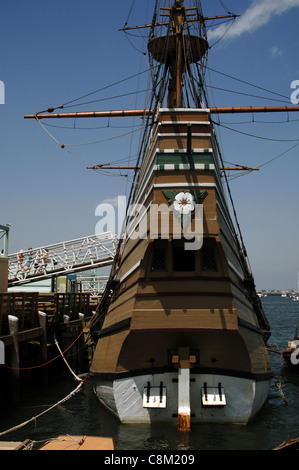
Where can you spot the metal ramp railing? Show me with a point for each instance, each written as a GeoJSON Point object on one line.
{"type": "Point", "coordinates": [81, 254]}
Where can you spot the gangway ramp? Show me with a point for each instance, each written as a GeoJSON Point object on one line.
{"type": "Point", "coordinates": [81, 254]}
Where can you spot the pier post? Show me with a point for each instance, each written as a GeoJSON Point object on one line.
{"type": "Point", "coordinates": [81, 317]}
{"type": "Point", "coordinates": [83, 350]}
{"type": "Point", "coordinates": [42, 316]}
{"type": "Point", "coordinates": [13, 324]}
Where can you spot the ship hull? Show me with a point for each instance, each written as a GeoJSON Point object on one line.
{"type": "Point", "coordinates": [125, 397]}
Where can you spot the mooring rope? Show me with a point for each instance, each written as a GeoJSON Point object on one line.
{"type": "Point", "coordinates": [65, 361]}
{"type": "Point", "coordinates": [60, 402]}
{"type": "Point", "coordinates": [279, 386]}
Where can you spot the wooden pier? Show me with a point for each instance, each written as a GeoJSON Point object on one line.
{"type": "Point", "coordinates": [30, 323]}
{"type": "Point", "coordinates": [8, 445]}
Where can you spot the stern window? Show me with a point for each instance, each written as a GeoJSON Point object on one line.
{"type": "Point", "coordinates": [183, 260]}
{"type": "Point", "coordinates": [158, 260]}
{"type": "Point", "coordinates": [208, 259]}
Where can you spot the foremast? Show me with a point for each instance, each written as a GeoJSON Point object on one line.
{"type": "Point", "coordinates": [177, 50]}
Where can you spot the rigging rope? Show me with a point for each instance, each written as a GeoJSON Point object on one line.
{"type": "Point", "coordinates": [257, 121]}
{"type": "Point", "coordinates": [240, 243]}
{"type": "Point", "coordinates": [103, 88]}
{"type": "Point", "coordinates": [225, 33]}
{"type": "Point", "coordinates": [224, 7]}
{"type": "Point", "coordinates": [248, 83]}
{"type": "Point", "coordinates": [269, 161]}
{"type": "Point", "coordinates": [104, 140]}
{"type": "Point", "coordinates": [63, 146]}
{"type": "Point", "coordinates": [249, 94]}
{"type": "Point", "coordinates": [107, 98]}
{"type": "Point", "coordinates": [130, 11]}
{"type": "Point", "coordinates": [255, 136]}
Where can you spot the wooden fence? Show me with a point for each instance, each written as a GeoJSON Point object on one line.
{"type": "Point", "coordinates": [25, 306]}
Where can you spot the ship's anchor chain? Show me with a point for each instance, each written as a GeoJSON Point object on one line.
{"type": "Point", "coordinates": [279, 386]}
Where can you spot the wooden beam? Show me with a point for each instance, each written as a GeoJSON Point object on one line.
{"type": "Point", "coordinates": [150, 112]}
{"type": "Point", "coordinates": [166, 23]}
{"type": "Point", "coordinates": [254, 109]}
{"type": "Point", "coordinates": [92, 114]}
{"type": "Point", "coordinates": [131, 167]}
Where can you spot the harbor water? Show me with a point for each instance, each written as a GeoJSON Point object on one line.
{"type": "Point", "coordinates": [83, 415]}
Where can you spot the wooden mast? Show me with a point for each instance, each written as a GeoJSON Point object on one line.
{"type": "Point", "coordinates": [176, 61]}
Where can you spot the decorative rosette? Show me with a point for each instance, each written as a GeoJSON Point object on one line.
{"type": "Point", "coordinates": [184, 203]}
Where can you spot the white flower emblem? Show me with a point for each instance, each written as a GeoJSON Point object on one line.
{"type": "Point", "coordinates": [184, 203]}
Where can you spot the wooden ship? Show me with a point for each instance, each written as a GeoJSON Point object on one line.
{"type": "Point", "coordinates": [180, 332]}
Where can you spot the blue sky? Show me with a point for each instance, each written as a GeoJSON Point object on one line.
{"type": "Point", "coordinates": [52, 52]}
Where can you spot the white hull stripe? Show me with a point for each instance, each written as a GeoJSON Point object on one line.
{"type": "Point", "coordinates": [183, 134]}
{"type": "Point", "coordinates": [185, 185]}
{"type": "Point", "coordinates": [194, 151]}
{"type": "Point", "coordinates": [173, 167]}
{"type": "Point", "coordinates": [184, 166]}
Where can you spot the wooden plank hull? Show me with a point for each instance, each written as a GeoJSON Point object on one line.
{"type": "Point", "coordinates": [173, 296]}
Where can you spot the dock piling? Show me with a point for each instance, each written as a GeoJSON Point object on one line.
{"type": "Point", "coordinates": [28, 324]}
{"type": "Point", "coordinates": [42, 316]}
{"type": "Point", "coordinates": [13, 324]}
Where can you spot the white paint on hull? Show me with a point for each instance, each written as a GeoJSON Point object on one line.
{"type": "Point", "coordinates": [124, 397]}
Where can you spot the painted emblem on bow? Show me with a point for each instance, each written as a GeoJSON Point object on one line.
{"type": "Point", "coordinates": [183, 203]}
